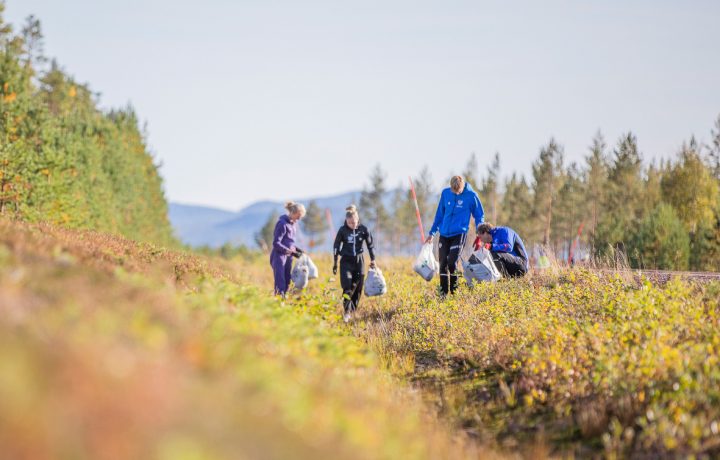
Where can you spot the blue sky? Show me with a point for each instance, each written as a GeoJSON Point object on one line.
{"type": "Point", "coordinates": [249, 100]}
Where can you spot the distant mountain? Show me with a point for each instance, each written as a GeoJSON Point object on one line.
{"type": "Point", "coordinates": [208, 226]}
{"type": "Point", "coordinates": [190, 222]}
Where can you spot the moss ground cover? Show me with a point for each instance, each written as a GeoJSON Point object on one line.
{"type": "Point", "coordinates": [111, 349]}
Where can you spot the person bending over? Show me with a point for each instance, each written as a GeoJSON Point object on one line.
{"type": "Point", "coordinates": [507, 249]}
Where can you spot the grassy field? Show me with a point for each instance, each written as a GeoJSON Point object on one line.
{"type": "Point", "coordinates": [586, 364]}
{"type": "Point", "coordinates": [112, 349]}
{"type": "Point", "coordinates": [115, 350]}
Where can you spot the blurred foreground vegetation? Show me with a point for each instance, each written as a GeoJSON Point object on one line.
{"type": "Point", "coordinates": [112, 349]}
{"type": "Point", "coordinates": [116, 349]}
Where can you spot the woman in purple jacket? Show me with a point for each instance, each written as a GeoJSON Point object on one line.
{"type": "Point", "coordinates": [283, 246]}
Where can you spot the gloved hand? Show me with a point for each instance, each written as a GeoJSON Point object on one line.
{"type": "Point", "coordinates": [335, 269]}
{"type": "Point", "coordinates": [296, 254]}
{"type": "Point", "coordinates": [372, 264]}
{"type": "Point", "coordinates": [299, 251]}
{"type": "Point", "coordinates": [477, 243]}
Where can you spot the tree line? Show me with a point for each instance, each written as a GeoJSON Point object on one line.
{"type": "Point", "coordinates": [613, 207]}
{"type": "Point", "coordinates": [64, 160]}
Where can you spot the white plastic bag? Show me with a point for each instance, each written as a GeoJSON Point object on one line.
{"type": "Point", "coordinates": [426, 265]}
{"type": "Point", "coordinates": [300, 273]}
{"type": "Point", "coordinates": [480, 267]}
{"type": "Point", "coordinates": [312, 268]}
{"type": "Point", "coordinates": [375, 283]}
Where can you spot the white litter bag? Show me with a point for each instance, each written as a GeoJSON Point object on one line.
{"type": "Point", "coordinates": [375, 283]}
{"type": "Point", "coordinates": [300, 273]}
{"type": "Point", "coordinates": [312, 268]}
{"type": "Point", "coordinates": [480, 267]}
{"type": "Point", "coordinates": [426, 265]}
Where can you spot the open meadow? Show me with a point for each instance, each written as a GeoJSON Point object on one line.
{"type": "Point", "coordinates": [114, 349]}
{"type": "Point", "coordinates": [146, 187]}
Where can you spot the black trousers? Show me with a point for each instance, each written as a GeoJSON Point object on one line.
{"type": "Point", "coordinates": [449, 251]}
{"type": "Point", "coordinates": [352, 278]}
{"type": "Point", "coordinates": [509, 265]}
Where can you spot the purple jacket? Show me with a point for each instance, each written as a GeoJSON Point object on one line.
{"type": "Point", "coordinates": [284, 236]}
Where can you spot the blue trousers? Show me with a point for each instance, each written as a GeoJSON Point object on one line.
{"type": "Point", "coordinates": [282, 266]}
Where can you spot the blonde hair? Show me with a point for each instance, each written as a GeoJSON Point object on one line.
{"type": "Point", "coordinates": [351, 211]}
{"type": "Point", "coordinates": [294, 208]}
{"type": "Point", "coordinates": [457, 183]}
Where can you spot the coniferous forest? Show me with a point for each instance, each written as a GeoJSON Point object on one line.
{"type": "Point", "coordinates": [613, 208]}
{"type": "Point", "coordinates": [64, 160]}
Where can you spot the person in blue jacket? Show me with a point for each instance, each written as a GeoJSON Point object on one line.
{"type": "Point", "coordinates": [452, 219]}
{"type": "Point", "coordinates": [507, 249]}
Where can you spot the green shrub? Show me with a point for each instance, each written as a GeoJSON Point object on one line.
{"type": "Point", "coordinates": [661, 241]}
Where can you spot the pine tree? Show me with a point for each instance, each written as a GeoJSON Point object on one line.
{"type": "Point", "coordinates": [596, 179]}
{"type": "Point", "coordinates": [471, 170]}
{"type": "Point", "coordinates": [623, 198]}
{"type": "Point", "coordinates": [660, 241]}
{"type": "Point", "coordinates": [517, 205]}
{"type": "Point", "coordinates": [426, 204]}
{"type": "Point", "coordinates": [65, 161]}
{"type": "Point", "coordinates": [652, 190]}
{"type": "Point", "coordinates": [571, 208]}
{"type": "Point", "coordinates": [548, 178]}
{"type": "Point", "coordinates": [264, 237]}
{"type": "Point", "coordinates": [33, 54]}
{"type": "Point", "coordinates": [689, 186]}
{"type": "Point", "coordinates": [314, 224]}
{"type": "Point", "coordinates": [371, 203]}
{"type": "Point", "coordinates": [715, 149]}
{"type": "Point", "coordinates": [705, 245]}
{"type": "Point", "coordinates": [490, 191]}
{"type": "Point", "coordinates": [399, 227]}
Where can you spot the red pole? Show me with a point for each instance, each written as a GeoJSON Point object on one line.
{"type": "Point", "coordinates": [328, 216]}
{"type": "Point", "coordinates": [575, 242]}
{"type": "Point", "coordinates": [417, 212]}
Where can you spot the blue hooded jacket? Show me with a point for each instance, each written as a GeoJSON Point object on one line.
{"type": "Point", "coordinates": [453, 213]}
{"type": "Point", "coordinates": [506, 240]}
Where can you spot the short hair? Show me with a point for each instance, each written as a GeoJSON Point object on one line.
{"type": "Point", "coordinates": [485, 227]}
{"type": "Point", "coordinates": [293, 208]}
{"type": "Point", "coordinates": [351, 211]}
{"type": "Point", "coordinates": [457, 183]}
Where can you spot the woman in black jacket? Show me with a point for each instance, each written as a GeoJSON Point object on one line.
{"type": "Point", "coordinates": [349, 246]}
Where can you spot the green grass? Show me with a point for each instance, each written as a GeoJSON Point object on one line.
{"type": "Point", "coordinates": [110, 349]}
{"type": "Point", "coordinates": [587, 363]}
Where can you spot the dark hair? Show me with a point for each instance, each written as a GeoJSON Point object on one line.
{"type": "Point", "coordinates": [485, 227]}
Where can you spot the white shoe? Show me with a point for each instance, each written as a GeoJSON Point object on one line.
{"type": "Point", "coordinates": [347, 316]}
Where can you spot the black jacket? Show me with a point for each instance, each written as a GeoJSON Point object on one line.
{"type": "Point", "coordinates": [349, 242]}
